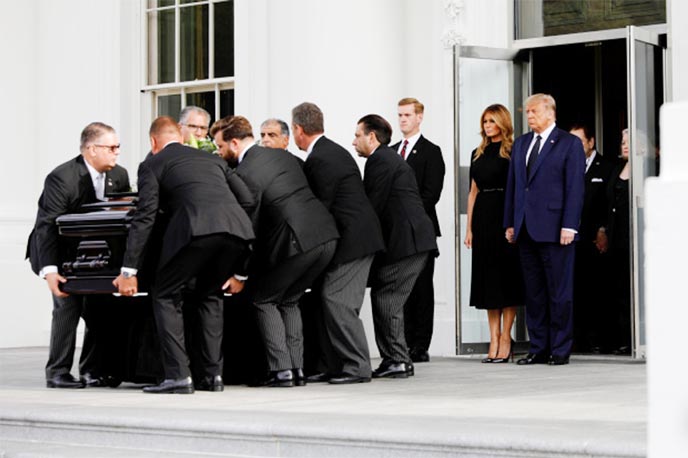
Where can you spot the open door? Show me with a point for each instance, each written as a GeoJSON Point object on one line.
{"type": "Point", "coordinates": [501, 76]}
{"type": "Point", "coordinates": [646, 70]}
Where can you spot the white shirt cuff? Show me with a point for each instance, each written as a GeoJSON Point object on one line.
{"type": "Point", "coordinates": [47, 270]}
{"type": "Point", "coordinates": [241, 277]}
{"type": "Point", "coordinates": [129, 270]}
{"type": "Point", "coordinates": [569, 230]}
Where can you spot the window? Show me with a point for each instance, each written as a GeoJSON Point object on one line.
{"type": "Point", "coordinates": [190, 55]}
{"type": "Point", "coordinates": [544, 18]}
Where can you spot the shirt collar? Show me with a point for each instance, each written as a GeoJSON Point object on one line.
{"type": "Point", "coordinates": [310, 147]}
{"type": "Point", "coordinates": [243, 152]}
{"type": "Point", "coordinates": [93, 172]}
{"type": "Point", "coordinates": [412, 140]}
{"type": "Point", "coordinates": [545, 133]}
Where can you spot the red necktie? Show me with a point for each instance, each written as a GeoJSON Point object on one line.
{"type": "Point", "coordinates": [403, 149]}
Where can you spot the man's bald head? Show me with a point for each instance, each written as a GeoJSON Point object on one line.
{"type": "Point", "coordinates": [163, 131]}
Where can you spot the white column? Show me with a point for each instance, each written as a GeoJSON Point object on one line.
{"type": "Point", "coordinates": [665, 298]}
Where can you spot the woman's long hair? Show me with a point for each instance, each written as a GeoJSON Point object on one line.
{"type": "Point", "coordinates": [502, 118]}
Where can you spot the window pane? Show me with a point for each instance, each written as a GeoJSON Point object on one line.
{"type": "Point", "coordinates": [544, 18]}
{"type": "Point", "coordinates": [160, 3]}
{"type": "Point", "coordinates": [170, 105]}
{"type": "Point", "coordinates": [226, 102]}
{"type": "Point", "coordinates": [224, 39]}
{"type": "Point", "coordinates": [161, 47]}
{"type": "Point", "coordinates": [189, 1]}
{"type": "Point", "coordinates": [205, 100]}
{"type": "Point", "coordinates": [194, 43]}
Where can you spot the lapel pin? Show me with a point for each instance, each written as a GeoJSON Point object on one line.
{"type": "Point", "coordinates": [413, 151]}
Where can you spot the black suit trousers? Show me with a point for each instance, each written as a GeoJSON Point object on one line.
{"type": "Point", "coordinates": [419, 310]}
{"type": "Point", "coordinates": [66, 314]}
{"type": "Point", "coordinates": [208, 261]}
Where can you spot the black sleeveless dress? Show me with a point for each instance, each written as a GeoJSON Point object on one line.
{"type": "Point", "coordinates": [496, 280]}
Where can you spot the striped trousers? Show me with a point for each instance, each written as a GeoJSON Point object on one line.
{"type": "Point", "coordinates": [276, 304]}
{"type": "Point", "coordinates": [391, 285]}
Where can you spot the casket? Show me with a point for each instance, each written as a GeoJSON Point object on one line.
{"type": "Point", "coordinates": [93, 242]}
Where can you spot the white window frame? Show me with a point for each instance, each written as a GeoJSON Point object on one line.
{"type": "Point", "coordinates": [182, 88]}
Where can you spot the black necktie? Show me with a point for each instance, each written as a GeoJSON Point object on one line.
{"type": "Point", "coordinates": [533, 155]}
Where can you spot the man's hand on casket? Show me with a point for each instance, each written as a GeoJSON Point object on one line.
{"type": "Point", "coordinates": [54, 280]}
{"type": "Point", "coordinates": [127, 286]}
{"type": "Point", "coordinates": [233, 285]}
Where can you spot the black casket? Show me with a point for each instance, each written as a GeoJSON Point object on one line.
{"type": "Point", "coordinates": [92, 245]}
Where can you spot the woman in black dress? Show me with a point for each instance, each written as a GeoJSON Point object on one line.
{"type": "Point", "coordinates": [618, 233]}
{"type": "Point", "coordinates": [496, 283]}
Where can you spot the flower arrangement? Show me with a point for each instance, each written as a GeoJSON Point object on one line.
{"type": "Point", "coordinates": [204, 144]}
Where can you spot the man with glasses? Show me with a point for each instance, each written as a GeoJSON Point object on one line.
{"type": "Point", "coordinates": [87, 178]}
{"type": "Point", "coordinates": [194, 123]}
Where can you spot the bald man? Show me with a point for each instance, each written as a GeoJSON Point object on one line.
{"type": "Point", "coordinates": [206, 238]}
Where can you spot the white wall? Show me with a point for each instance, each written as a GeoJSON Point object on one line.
{"type": "Point", "coordinates": [61, 71]}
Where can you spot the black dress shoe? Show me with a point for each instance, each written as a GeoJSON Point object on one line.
{"type": "Point", "coordinates": [345, 379]}
{"type": "Point", "coordinates": [283, 379]}
{"type": "Point", "coordinates": [320, 377]}
{"type": "Point", "coordinates": [209, 383]}
{"type": "Point", "coordinates": [64, 381]}
{"type": "Point", "coordinates": [391, 370]}
{"type": "Point", "coordinates": [555, 360]}
{"type": "Point", "coordinates": [532, 358]}
{"type": "Point", "coordinates": [419, 356]}
{"type": "Point", "coordinates": [91, 381]}
{"type": "Point", "coordinates": [170, 385]}
{"type": "Point", "coordinates": [299, 377]}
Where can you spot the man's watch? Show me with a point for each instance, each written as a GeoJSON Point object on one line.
{"type": "Point", "coordinates": [127, 274]}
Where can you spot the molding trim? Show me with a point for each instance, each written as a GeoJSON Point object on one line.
{"type": "Point", "coordinates": [451, 36]}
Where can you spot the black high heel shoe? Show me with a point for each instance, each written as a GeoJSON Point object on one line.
{"type": "Point", "coordinates": [510, 356]}
{"type": "Point", "coordinates": [487, 360]}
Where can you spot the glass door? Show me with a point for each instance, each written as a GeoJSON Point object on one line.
{"type": "Point", "coordinates": [482, 76]}
{"type": "Point", "coordinates": [645, 73]}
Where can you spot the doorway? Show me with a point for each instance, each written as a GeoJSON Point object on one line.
{"type": "Point", "coordinates": [609, 81]}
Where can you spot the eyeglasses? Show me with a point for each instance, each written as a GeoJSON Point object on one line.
{"type": "Point", "coordinates": [195, 127]}
{"type": "Point", "coordinates": [112, 148]}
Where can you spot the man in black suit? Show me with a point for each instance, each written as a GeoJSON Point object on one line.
{"type": "Point", "coordinates": [409, 239]}
{"type": "Point", "coordinates": [425, 158]}
{"type": "Point", "coordinates": [84, 179]}
{"type": "Point", "coordinates": [335, 179]}
{"type": "Point", "coordinates": [295, 239]}
{"type": "Point", "coordinates": [591, 317]}
{"type": "Point", "coordinates": [205, 240]}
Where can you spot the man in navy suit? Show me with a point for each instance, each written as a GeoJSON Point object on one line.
{"type": "Point", "coordinates": [542, 209]}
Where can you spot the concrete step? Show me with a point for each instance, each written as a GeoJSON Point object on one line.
{"type": "Point", "coordinates": [451, 408]}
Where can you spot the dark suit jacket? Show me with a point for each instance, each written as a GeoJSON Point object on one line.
{"type": "Point", "coordinates": [426, 161]}
{"type": "Point", "coordinates": [198, 194]}
{"type": "Point", "coordinates": [289, 219]}
{"type": "Point", "coordinates": [594, 212]}
{"type": "Point", "coordinates": [335, 179]}
{"type": "Point", "coordinates": [66, 189]}
{"type": "Point", "coordinates": [552, 198]}
{"type": "Point", "coordinates": [392, 189]}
